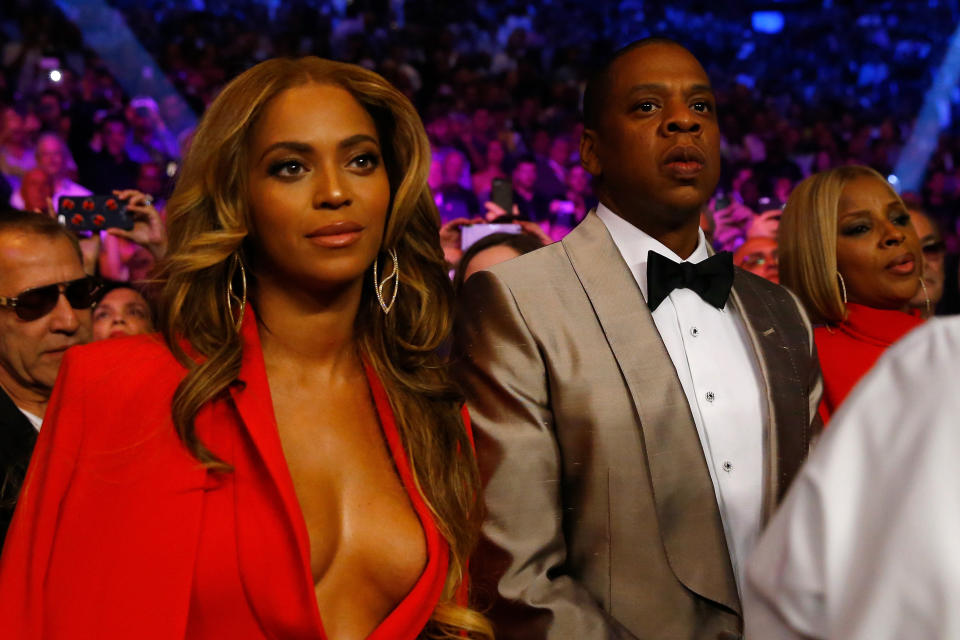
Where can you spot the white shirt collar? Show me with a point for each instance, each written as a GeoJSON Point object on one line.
{"type": "Point", "coordinates": [35, 420]}
{"type": "Point", "coordinates": [634, 245]}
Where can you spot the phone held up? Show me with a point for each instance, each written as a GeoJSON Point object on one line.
{"type": "Point", "coordinates": [93, 213]}
{"type": "Point", "coordinates": [501, 194]}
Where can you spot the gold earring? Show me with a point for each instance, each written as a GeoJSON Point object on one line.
{"type": "Point", "coordinates": [379, 286]}
{"type": "Point", "coordinates": [843, 288]}
{"type": "Point", "coordinates": [236, 263]}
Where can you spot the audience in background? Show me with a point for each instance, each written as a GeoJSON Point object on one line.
{"type": "Point", "coordinates": [36, 191]}
{"type": "Point", "coordinates": [760, 257]}
{"type": "Point", "coordinates": [931, 243]}
{"type": "Point", "coordinates": [53, 158]}
{"type": "Point", "coordinates": [851, 254]}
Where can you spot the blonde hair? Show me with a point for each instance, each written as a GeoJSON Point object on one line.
{"type": "Point", "coordinates": [209, 220]}
{"type": "Point", "coordinates": [808, 240]}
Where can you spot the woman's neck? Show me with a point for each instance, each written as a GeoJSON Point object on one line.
{"type": "Point", "coordinates": [308, 328]}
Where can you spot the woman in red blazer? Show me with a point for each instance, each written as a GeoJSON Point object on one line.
{"type": "Point", "coordinates": [288, 459]}
{"type": "Point", "coordinates": [849, 251]}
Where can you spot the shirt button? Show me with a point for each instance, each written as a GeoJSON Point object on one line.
{"type": "Point", "coordinates": [728, 466]}
{"type": "Point", "coordinates": [709, 395]}
{"type": "Point", "coordinates": [694, 331]}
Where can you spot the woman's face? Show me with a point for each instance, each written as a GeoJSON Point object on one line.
{"type": "Point", "coordinates": [122, 312]}
{"type": "Point", "coordinates": [318, 190]}
{"type": "Point", "coordinates": [878, 253]}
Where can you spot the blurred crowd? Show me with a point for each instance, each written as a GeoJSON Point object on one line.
{"type": "Point", "coordinates": [498, 86]}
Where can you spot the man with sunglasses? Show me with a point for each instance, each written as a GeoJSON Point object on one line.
{"type": "Point", "coordinates": [45, 301]}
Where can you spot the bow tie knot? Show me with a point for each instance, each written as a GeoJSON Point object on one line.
{"type": "Point", "coordinates": [711, 279]}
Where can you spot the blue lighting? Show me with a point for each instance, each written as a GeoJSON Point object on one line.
{"type": "Point", "coordinates": [767, 21]}
{"type": "Point", "coordinates": [894, 182]}
{"type": "Point", "coordinates": [912, 164]}
{"type": "Point", "coordinates": [106, 32]}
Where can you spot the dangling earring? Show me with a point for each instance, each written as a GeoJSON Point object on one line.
{"type": "Point", "coordinates": [926, 298]}
{"type": "Point", "coordinates": [843, 288]}
{"type": "Point", "coordinates": [379, 286]}
{"type": "Point", "coordinates": [236, 263]}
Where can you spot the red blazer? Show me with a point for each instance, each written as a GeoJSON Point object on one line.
{"type": "Point", "coordinates": [849, 350]}
{"type": "Point", "coordinates": [119, 531]}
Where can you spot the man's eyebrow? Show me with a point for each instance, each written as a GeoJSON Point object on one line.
{"type": "Point", "coordinates": [658, 87]}
{"type": "Point", "coordinates": [649, 86]}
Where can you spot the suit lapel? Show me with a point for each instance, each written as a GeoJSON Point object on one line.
{"type": "Point", "coordinates": [280, 580]}
{"type": "Point", "coordinates": [785, 445]}
{"type": "Point", "coordinates": [683, 492]}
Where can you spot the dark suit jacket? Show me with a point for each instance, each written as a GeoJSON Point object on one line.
{"type": "Point", "coordinates": [17, 437]}
{"type": "Point", "coordinates": [602, 520]}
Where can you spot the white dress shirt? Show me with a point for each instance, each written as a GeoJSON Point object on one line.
{"type": "Point", "coordinates": [865, 545]}
{"type": "Point", "coordinates": [721, 378]}
{"type": "Point", "coordinates": [35, 420]}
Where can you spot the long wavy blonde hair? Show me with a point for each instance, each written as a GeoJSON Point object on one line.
{"type": "Point", "coordinates": [209, 221]}
{"type": "Point", "coordinates": [808, 240]}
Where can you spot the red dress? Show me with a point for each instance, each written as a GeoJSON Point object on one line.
{"type": "Point", "coordinates": [119, 533]}
{"type": "Point", "coordinates": [849, 350]}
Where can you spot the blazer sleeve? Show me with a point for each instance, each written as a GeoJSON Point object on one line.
{"type": "Point", "coordinates": [520, 565]}
{"type": "Point", "coordinates": [30, 541]}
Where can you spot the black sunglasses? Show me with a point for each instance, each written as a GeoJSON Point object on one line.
{"type": "Point", "coordinates": [934, 248]}
{"type": "Point", "coordinates": [36, 303]}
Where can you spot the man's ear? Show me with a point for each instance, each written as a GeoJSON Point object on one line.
{"type": "Point", "coordinates": [589, 158]}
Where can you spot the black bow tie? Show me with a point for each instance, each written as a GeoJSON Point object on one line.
{"type": "Point", "coordinates": [710, 279]}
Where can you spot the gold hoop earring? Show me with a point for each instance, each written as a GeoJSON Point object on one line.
{"type": "Point", "coordinates": [379, 286]}
{"type": "Point", "coordinates": [237, 263]}
{"type": "Point", "coordinates": [926, 298]}
{"type": "Point", "coordinates": [843, 288]}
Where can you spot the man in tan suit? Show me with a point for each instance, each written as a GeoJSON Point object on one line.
{"type": "Point", "coordinates": [637, 419]}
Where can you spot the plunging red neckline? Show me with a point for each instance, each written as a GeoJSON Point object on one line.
{"type": "Point", "coordinates": [255, 529]}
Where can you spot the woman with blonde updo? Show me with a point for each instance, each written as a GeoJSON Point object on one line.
{"type": "Point", "coordinates": [289, 459]}
{"type": "Point", "coordinates": [850, 253]}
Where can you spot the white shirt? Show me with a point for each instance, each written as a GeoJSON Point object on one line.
{"type": "Point", "coordinates": [865, 546]}
{"type": "Point", "coordinates": [35, 420]}
{"type": "Point", "coordinates": [721, 378]}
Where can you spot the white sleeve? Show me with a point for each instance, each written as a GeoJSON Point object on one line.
{"type": "Point", "coordinates": [865, 543]}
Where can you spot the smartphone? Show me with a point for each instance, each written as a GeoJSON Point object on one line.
{"type": "Point", "coordinates": [93, 213]}
{"type": "Point", "coordinates": [501, 194]}
{"type": "Point", "coordinates": [472, 233]}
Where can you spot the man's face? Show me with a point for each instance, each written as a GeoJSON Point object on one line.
{"type": "Point", "coordinates": [114, 137]}
{"type": "Point", "coordinates": [656, 145]}
{"type": "Point", "coordinates": [525, 175]}
{"type": "Point", "coordinates": [150, 179]}
{"type": "Point", "coordinates": [35, 189]}
{"type": "Point", "coordinates": [50, 157]}
{"type": "Point", "coordinates": [31, 351]}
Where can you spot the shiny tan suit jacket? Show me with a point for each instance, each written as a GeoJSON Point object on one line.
{"type": "Point", "coordinates": [602, 520]}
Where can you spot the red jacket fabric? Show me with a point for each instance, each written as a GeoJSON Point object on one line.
{"type": "Point", "coordinates": [120, 533]}
{"type": "Point", "coordinates": [849, 350]}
